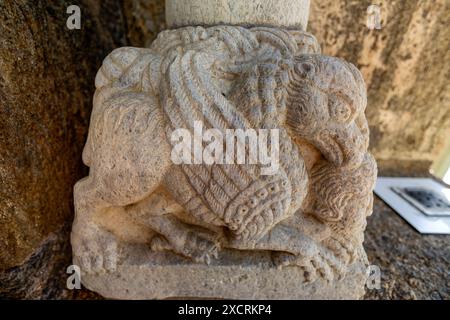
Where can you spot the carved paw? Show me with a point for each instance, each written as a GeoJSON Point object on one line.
{"type": "Point", "coordinates": [200, 249]}
{"type": "Point", "coordinates": [342, 248]}
{"type": "Point", "coordinates": [322, 265]}
{"type": "Point", "coordinates": [284, 259]}
{"type": "Point", "coordinates": [193, 246]}
{"type": "Point", "coordinates": [98, 254]}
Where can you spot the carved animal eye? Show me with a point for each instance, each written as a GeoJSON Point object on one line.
{"type": "Point", "coordinates": [305, 69]}
{"type": "Point", "coordinates": [340, 110]}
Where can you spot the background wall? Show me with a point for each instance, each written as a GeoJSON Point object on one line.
{"type": "Point", "coordinates": [47, 82]}
{"type": "Point", "coordinates": [405, 65]}
{"type": "Point", "coordinates": [46, 85]}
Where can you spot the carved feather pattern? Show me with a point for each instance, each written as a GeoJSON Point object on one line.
{"type": "Point", "coordinates": [257, 57]}
{"type": "Point", "coordinates": [186, 69]}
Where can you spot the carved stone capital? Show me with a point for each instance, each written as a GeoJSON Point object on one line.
{"type": "Point", "coordinates": [156, 219]}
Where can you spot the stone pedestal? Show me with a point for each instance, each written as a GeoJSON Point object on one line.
{"type": "Point", "coordinates": [150, 275]}
{"type": "Point", "coordinates": [167, 212]}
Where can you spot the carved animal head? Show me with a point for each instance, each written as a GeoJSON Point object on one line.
{"type": "Point", "coordinates": [326, 99]}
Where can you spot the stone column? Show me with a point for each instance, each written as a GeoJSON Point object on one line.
{"type": "Point", "coordinates": [289, 14]}
{"type": "Point", "coordinates": [163, 213]}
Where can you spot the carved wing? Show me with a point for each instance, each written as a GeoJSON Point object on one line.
{"type": "Point", "coordinates": [196, 66]}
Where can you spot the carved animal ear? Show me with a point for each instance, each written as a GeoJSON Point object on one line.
{"type": "Point", "coordinates": [305, 69]}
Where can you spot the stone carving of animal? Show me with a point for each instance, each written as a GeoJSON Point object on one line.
{"type": "Point", "coordinates": [228, 78]}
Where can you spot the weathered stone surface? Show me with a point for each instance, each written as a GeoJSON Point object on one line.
{"type": "Point", "coordinates": [278, 13]}
{"type": "Point", "coordinates": [46, 86]}
{"type": "Point", "coordinates": [150, 275]}
{"type": "Point", "coordinates": [304, 220]}
{"type": "Point", "coordinates": [404, 65]}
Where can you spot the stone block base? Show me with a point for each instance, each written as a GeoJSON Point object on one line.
{"type": "Point", "coordinates": [150, 275]}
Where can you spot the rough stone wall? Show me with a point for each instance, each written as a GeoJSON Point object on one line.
{"type": "Point", "coordinates": [46, 85]}
{"type": "Point", "coordinates": [145, 19]}
{"type": "Point", "coordinates": [405, 65]}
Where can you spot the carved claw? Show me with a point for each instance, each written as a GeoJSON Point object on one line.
{"type": "Point", "coordinates": [198, 248]}
{"type": "Point", "coordinates": [159, 243]}
{"type": "Point", "coordinates": [323, 268]}
{"type": "Point", "coordinates": [98, 255]}
{"type": "Point", "coordinates": [284, 259]}
{"type": "Point", "coordinates": [342, 248]}
{"type": "Point", "coordinates": [323, 265]}
{"type": "Point", "coordinates": [337, 266]}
